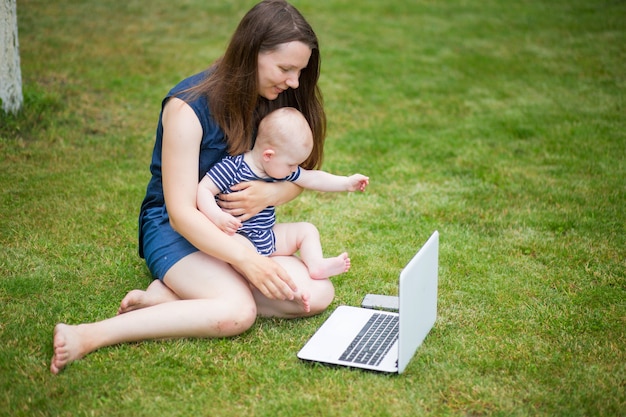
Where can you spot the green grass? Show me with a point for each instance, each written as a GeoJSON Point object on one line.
{"type": "Point", "coordinates": [501, 125]}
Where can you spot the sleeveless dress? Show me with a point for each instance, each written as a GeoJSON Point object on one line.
{"type": "Point", "coordinates": [159, 244]}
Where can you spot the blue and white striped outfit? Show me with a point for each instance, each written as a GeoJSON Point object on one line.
{"type": "Point", "coordinates": [258, 229]}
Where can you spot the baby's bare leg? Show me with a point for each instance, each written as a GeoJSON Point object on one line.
{"type": "Point", "coordinates": [304, 237]}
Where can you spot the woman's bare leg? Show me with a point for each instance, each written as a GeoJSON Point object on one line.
{"type": "Point", "coordinates": [215, 302]}
{"type": "Point", "coordinates": [312, 298]}
{"type": "Point", "coordinates": [320, 293]}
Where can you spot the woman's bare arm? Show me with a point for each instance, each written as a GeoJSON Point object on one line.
{"type": "Point", "coordinates": [252, 197]}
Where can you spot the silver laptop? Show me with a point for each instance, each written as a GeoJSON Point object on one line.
{"type": "Point", "coordinates": [382, 340]}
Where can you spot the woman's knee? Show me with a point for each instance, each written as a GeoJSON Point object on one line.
{"type": "Point", "coordinates": [239, 320]}
{"type": "Point", "coordinates": [229, 307]}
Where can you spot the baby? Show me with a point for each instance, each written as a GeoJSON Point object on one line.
{"type": "Point", "coordinates": [284, 141]}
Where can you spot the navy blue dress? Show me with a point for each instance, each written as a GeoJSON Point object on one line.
{"type": "Point", "coordinates": [159, 244]}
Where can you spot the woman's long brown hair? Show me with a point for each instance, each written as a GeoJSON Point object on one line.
{"type": "Point", "coordinates": [232, 88]}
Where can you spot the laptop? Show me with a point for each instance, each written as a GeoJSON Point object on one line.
{"type": "Point", "coordinates": [379, 340]}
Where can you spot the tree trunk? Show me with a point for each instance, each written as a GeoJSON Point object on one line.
{"type": "Point", "coordinates": [10, 74]}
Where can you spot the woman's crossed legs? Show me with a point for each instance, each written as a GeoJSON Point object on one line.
{"type": "Point", "coordinates": [200, 297]}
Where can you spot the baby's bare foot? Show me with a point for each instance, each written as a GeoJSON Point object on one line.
{"type": "Point", "coordinates": [304, 300]}
{"type": "Point", "coordinates": [156, 293]}
{"type": "Point", "coordinates": [67, 347]}
{"type": "Point", "coordinates": [330, 267]}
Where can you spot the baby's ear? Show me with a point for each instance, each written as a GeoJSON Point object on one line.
{"type": "Point", "coordinates": [268, 154]}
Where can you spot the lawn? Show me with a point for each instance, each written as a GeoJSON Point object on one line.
{"type": "Point", "coordinates": [500, 124]}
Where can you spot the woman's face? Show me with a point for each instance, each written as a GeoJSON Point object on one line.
{"type": "Point", "coordinates": [280, 68]}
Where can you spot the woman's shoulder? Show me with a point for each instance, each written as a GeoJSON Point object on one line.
{"type": "Point", "coordinates": [188, 83]}
{"type": "Point", "coordinates": [198, 102]}
{"type": "Point", "coordinates": [185, 90]}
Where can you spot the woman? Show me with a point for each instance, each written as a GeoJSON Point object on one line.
{"type": "Point", "coordinates": [208, 284]}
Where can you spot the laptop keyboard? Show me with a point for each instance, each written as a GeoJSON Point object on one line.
{"type": "Point", "coordinates": [373, 341]}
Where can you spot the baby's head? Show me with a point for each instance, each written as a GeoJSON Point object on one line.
{"type": "Point", "coordinates": [285, 140]}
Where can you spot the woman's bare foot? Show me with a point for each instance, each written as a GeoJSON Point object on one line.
{"type": "Point", "coordinates": [67, 346]}
{"type": "Point", "coordinates": [156, 293]}
{"type": "Point", "coordinates": [329, 267]}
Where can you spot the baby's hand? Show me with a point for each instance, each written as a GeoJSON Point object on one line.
{"type": "Point", "coordinates": [358, 182]}
{"type": "Point", "coordinates": [228, 224]}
